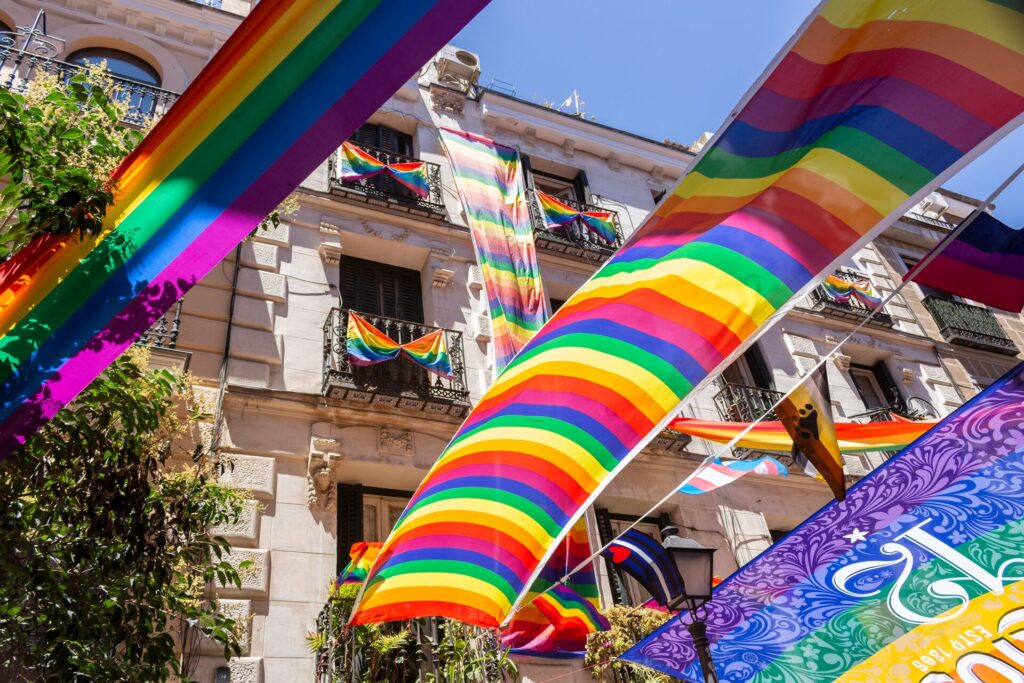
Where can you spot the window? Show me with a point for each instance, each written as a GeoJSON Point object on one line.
{"type": "Point", "coordinates": [876, 387]}
{"type": "Point", "coordinates": [119, 63]}
{"type": "Point", "coordinates": [750, 370]}
{"type": "Point", "coordinates": [380, 514]}
{"type": "Point", "coordinates": [383, 138]}
{"type": "Point", "coordinates": [379, 289]}
{"type": "Point", "coordinates": [574, 189]}
{"type": "Point", "coordinates": [556, 304]}
{"type": "Point", "coordinates": [366, 514]}
{"type": "Point", "coordinates": [778, 534]}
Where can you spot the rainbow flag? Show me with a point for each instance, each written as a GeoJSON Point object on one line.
{"type": "Point", "coordinates": [917, 576]}
{"type": "Point", "coordinates": [366, 345]}
{"type": "Point", "coordinates": [361, 555]}
{"type": "Point", "coordinates": [718, 473]}
{"type": "Point", "coordinates": [772, 436]}
{"type": "Point", "coordinates": [357, 164]}
{"type": "Point", "coordinates": [490, 181]}
{"type": "Point", "coordinates": [871, 106]}
{"type": "Point", "coordinates": [841, 291]}
{"type": "Point", "coordinates": [293, 81]}
{"type": "Point", "coordinates": [558, 214]}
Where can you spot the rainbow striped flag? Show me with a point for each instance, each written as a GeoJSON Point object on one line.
{"type": "Point", "coordinates": [366, 345]}
{"type": "Point", "coordinates": [361, 555]}
{"type": "Point", "coordinates": [291, 83]}
{"type": "Point", "coordinates": [772, 436]}
{"type": "Point", "coordinates": [357, 164]}
{"type": "Point", "coordinates": [842, 291]}
{"type": "Point", "coordinates": [490, 181]}
{"type": "Point", "coordinates": [868, 108]}
{"type": "Point", "coordinates": [718, 473]}
{"type": "Point", "coordinates": [558, 214]}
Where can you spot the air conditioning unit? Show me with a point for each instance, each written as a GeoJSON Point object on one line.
{"type": "Point", "coordinates": [457, 68]}
{"type": "Point", "coordinates": [934, 205]}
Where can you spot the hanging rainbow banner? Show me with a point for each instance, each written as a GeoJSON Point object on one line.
{"type": "Point", "coordinates": [558, 214]}
{"type": "Point", "coordinates": [358, 164]}
{"type": "Point", "coordinates": [917, 576]}
{"type": "Point", "coordinates": [292, 82]}
{"type": "Point", "coordinates": [772, 436]}
{"type": "Point", "coordinates": [366, 345]}
{"type": "Point", "coordinates": [489, 178]}
{"type": "Point", "coordinates": [870, 107]}
{"type": "Point", "coordinates": [841, 291]}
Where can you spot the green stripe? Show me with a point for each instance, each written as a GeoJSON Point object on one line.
{"type": "Point", "coordinates": [534, 511]}
{"type": "Point", "coordinates": [146, 220]}
{"type": "Point", "coordinates": [872, 153]}
{"type": "Point", "coordinates": [446, 567]}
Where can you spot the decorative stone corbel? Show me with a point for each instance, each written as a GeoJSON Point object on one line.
{"type": "Point", "coordinates": [330, 243]}
{"type": "Point", "coordinates": [907, 375]}
{"type": "Point", "coordinates": [530, 135]}
{"type": "Point", "coordinates": [324, 456]}
{"type": "Point", "coordinates": [614, 162]}
{"type": "Point", "coordinates": [569, 147]}
{"type": "Point", "coordinates": [842, 361]}
{"type": "Point", "coordinates": [442, 277]}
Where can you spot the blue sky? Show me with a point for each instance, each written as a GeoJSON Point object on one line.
{"type": "Point", "coordinates": [668, 68]}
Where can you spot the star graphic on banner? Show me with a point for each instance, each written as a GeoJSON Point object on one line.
{"type": "Point", "coordinates": [856, 536]}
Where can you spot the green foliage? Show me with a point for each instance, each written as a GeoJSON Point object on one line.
{"type": "Point", "coordinates": [105, 527]}
{"type": "Point", "coordinates": [629, 625]}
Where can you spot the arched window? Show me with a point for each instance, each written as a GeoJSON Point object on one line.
{"type": "Point", "coordinates": [119, 63]}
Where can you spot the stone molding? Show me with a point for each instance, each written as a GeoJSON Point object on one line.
{"type": "Point", "coordinates": [395, 442]}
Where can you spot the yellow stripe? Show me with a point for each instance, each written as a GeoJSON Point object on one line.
{"type": "Point", "coordinates": [419, 586]}
{"type": "Point", "coordinates": [996, 23]}
{"type": "Point", "coordinates": [455, 510]}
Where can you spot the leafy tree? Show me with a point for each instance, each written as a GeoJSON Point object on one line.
{"type": "Point", "coordinates": [629, 625]}
{"type": "Point", "coordinates": [105, 524]}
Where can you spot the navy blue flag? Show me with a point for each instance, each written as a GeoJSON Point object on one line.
{"type": "Point", "coordinates": [648, 562]}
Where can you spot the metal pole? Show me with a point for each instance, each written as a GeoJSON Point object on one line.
{"type": "Point", "coordinates": [699, 632]}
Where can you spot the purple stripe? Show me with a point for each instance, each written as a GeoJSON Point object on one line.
{"type": "Point", "coordinates": [1007, 265]}
{"type": "Point", "coordinates": [204, 253]}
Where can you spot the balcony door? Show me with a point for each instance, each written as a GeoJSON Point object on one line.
{"type": "Point", "coordinates": [876, 388]}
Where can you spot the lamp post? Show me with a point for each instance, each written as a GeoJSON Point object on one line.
{"type": "Point", "coordinates": [694, 563]}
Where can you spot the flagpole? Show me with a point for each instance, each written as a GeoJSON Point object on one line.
{"type": "Point", "coordinates": [964, 224]}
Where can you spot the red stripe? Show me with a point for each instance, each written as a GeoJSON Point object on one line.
{"type": "Point", "coordinates": [542, 467]}
{"type": "Point", "coordinates": [972, 282]}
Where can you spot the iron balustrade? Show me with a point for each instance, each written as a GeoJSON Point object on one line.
{"type": "Point", "coordinates": [383, 190]}
{"type": "Point", "coordinates": [574, 238]}
{"type": "Point", "coordinates": [163, 334]}
{"type": "Point", "coordinates": [968, 325]}
{"type": "Point", "coordinates": [742, 403]}
{"type": "Point", "coordinates": [26, 53]}
{"type": "Point", "coordinates": [399, 382]}
{"type": "Point", "coordinates": [853, 308]}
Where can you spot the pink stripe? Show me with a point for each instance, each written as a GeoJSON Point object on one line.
{"type": "Point", "coordinates": [506, 471]}
{"type": "Point", "coordinates": [502, 556]}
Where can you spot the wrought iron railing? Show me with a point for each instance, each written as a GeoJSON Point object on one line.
{"type": "Point", "coordinates": [28, 52]}
{"type": "Point", "coordinates": [969, 325]}
{"type": "Point", "coordinates": [384, 190]}
{"type": "Point", "coordinates": [163, 334]}
{"type": "Point", "coordinates": [741, 403]}
{"type": "Point", "coordinates": [400, 382]}
{"type": "Point", "coordinates": [574, 238]}
{"type": "Point", "coordinates": [853, 308]}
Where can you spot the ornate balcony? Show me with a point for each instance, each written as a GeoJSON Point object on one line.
{"type": "Point", "coordinates": [163, 334]}
{"type": "Point", "coordinates": [741, 403]}
{"type": "Point", "coordinates": [384, 191]}
{"type": "Point", "coordinates": [575, 238]}
{"type": "Point", "coordinates": [968, 325]}
{"type": "Point", "coordinates": [397, 383]}
{"type": "Point", "coordinates": [853, 308]}
{"type": "Point", "coordinates": [28, 52]}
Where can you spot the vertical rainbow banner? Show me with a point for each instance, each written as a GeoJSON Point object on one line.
{"type": "Point", "coordinates": [918, 576]}
{"type": "Point", "coordinates": [489, 178]}
{"type": "Point", "coordinates": [293, 81]}
{"type": "Point", "coordinates": [870, 106]}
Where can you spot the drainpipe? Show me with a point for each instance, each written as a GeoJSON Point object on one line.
{"type": "Point", "coordinates": [222, 381]}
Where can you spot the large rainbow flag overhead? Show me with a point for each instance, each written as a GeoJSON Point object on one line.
{"type": "Point", "coordinates": [871, 106]}
{"type": "Point", "coordinates": [490, 181]}
{"type": "Point", "coordinates": [917, 577]}
{"type": "Point", "coordinates": [293, 81]}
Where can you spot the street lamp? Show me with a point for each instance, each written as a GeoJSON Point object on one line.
{"type": "Point", "coordinates": [694, 563]}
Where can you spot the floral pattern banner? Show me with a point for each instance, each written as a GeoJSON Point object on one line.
{"type": "Point", "coordinates": [918, 576]}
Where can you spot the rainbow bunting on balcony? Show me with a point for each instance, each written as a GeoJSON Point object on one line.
{"type": "Point", "coordinates": [366, 345]}
{"type": "Point", "coordinates": [489, 178]}
{"type": "Point", "coordinates": [558, 214]}
{"type": "Point", "coordinates": [771, 436]}
{"type": "Point", "coordinates": [841, 291]}
{"type": "Point", "coordinates": [291, 83]}
{"type": "Point", "coordinates": [866, 110]}
{"type": "Point", "coordinates": [358, 164]}
{"type": "Point", "coordinates": [362, 555]}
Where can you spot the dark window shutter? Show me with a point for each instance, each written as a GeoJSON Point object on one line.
{"type": "Point", "coordinates": [365, 135]}
{"type": "Point", "coordinates": [350, 520]}
{"type": "Point", "coordinates": [605, 533]}
{"type": "Point", "coordinates": [556, 304]}
{"type": "Point", "coordinates": [889, 387]}
{"type": "Point", "coordinates": [380, 289]}
{"type": "Point", "coordinates": [759, 370]}
{"type": "Point", "coordinates": [524, 162]}
{"type": "Point", "coordinates": [582, 187]}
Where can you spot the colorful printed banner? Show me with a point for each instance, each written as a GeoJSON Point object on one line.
{"type": "Point", "coordinates": [362, 555]}
{"type": "Point", "coordinates": [558, 214]}
{"type": "Point", "coordinates": [490, 181]}
{"type": "Point", "coordinates": [366, 345]}
{"type": "Point", "coordinates": [649, 563]}
{"type": "Point", "coordinates": [358, 164]}
{"type": "Point", "coordinates": [872, 106]}
{"type": "Point", "coordinates": [984, 263]}
{"type": "Point", "coordinates": [771, 436]}
{"type": "Point", "coordinates": [918, 576]}
{"type": "Point", "coordinates": [841, 291]}
{"type": "Point", "coordinates": [557, 623]}
{"type": "Point", "coordinates": [718, 473]}
{"type": "Point", "coordinates": [291, 83]}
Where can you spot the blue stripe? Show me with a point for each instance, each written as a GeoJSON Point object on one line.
{"type": "Point", "coordinates": [760, 251]}
{"type": "Point", "coordinates": [485, 562]}
{"type": "Point", "coordinates": [512, 486]}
